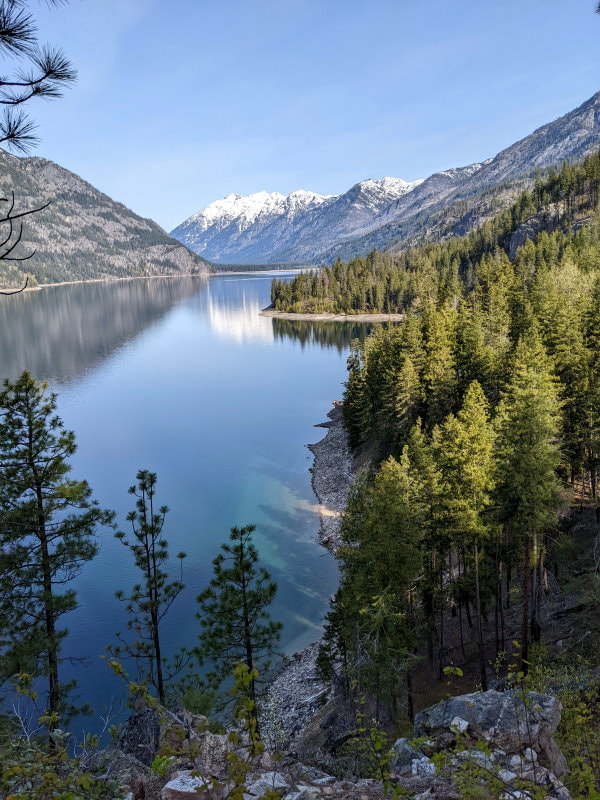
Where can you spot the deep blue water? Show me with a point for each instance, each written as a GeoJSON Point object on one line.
{"type": "Point", "coordinates": [184, 378]}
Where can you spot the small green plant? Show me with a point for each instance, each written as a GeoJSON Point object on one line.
{"type": "Point", "coordinates": [43, 767]}
{"type": "Point", "coordinates": [161, 765]}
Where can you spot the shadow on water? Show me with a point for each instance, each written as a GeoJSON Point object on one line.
{"type": "Point", "coordinates": [61, 332]}
{"type": "Point", "coordinates": [325, 334]}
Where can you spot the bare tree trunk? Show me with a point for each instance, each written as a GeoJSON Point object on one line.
{"type": "Point", "coordinates": [482, 669]}
{"type": "Point", "coordinates": [525, 608]}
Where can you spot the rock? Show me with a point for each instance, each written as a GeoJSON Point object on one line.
{"type": "Point", "coordinates": [332, 477]}
{"type": "Point", "coordinates": [459, 724]}
{"type": "Point", "coordinates": [423, 766]}
{"type": "Point", "coordinates": [212, 756]}
{"type": "Point", "coordinates": [141, 736]}
{"type": "Point", "coordinates": [324, 781]}
{"type": "Point", "coordinates": [268, 781]}
{"type": "Point", "coordinates": [403, 757]}
{"type": "Point", "coordinates": [502, 720]}
{"type": "Point", "coordinates": [185, 786]}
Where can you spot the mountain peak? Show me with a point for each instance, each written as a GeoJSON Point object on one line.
{"type": "Point", "coordinates": [381, 213]}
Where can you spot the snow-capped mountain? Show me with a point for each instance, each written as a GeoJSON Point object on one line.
{"type": "Point", "coordinates": [389, 213]}
{"type": "Point", "coordinates": [255, 228]}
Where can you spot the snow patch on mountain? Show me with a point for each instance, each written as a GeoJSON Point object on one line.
{"type": "Point", "coordinates": [389, 213]}
{"type": "Point", "coordinates": [243, 229]}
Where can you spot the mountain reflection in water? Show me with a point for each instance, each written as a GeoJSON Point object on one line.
{"type": "Point", "coordinates": [60, 332]}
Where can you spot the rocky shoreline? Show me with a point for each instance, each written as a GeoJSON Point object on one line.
{"type": "Point", "coordinates": [332, 476]}
{"type": "Point", "coordinates": [296, 686]}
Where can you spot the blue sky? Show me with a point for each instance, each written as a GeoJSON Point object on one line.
{"type": "Point", "coordinates": [180, 102]}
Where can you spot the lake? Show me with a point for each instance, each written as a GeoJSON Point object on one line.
{"type": "Point", "coordinates": [182, 377]}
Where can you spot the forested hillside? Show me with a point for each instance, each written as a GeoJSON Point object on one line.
{"type": "Point", "coordinates": [469, 543]}
{"type": "Point", "coordinates": [564, 201]}
{"type": "Point", "coordinates": [82, 234]}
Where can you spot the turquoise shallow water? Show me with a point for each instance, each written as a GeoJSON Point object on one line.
{"type": "Point", "coordinates": [183, 377]}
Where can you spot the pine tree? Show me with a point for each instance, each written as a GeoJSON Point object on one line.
{"type": "Point", "coordinates": [372, 621]}
{"type": "Point", "coordinates": [150, 601]}
{"type": "Point", "coordinates": [464, 454]}
{"type": "Point", "coordinates": [234, 617]}
{"type": "Point", "coordinates": [527, 457]}
{"type": "Point", "coordinates": [407, 400]}
{"type": "Point", "coordinates": [439, 372]}
{"type": "Point", "coordinates": [46, 533]}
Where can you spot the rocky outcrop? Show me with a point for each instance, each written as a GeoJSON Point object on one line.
{"type": "Point", "coordinates": [508, 721]}
{"type": "Point", "coordinates": [332, 477]}
{"type": "Point", "coordinates": [141, 736]}
{"type": "Point", "coordinates": [501, 740]}
{"type": "Point", "coordinates": [508, 735]}
{"type": "Point", "coordinates": [545, 220]}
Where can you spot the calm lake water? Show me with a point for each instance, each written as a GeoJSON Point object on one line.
{"type": "Point", "coordinates": [182, 377]}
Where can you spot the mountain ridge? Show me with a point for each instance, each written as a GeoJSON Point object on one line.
{"type": "Point", "coordinates": [370, 215]}
{"type": "Point", "coordinates": [83, 234]}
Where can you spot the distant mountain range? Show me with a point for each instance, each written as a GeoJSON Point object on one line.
{"type": "Point", "coordinates": [83, 234]}
{"type": "Point", "coordinates": [387, 214]}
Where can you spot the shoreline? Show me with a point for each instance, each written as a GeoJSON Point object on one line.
{"type": "Point", "coordinates": [296, 685]}
{"type": "Point", "coordinates": [330, 317]}
{"type": "Point", "coordinates": [332, 476]}
{"type": "Point", "coordinates": [111, 280]}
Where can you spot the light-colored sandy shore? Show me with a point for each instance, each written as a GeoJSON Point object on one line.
{"type": "Point", "coordinates": [269, 312]}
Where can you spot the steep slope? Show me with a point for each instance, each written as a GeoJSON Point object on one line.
{"type": "Point", "coordinates": [452, 202]}
{"type": "Point", "coordinates": [391, 214]}
{"type": "Point", "coordinates": [83, 234]}
{"type": "Point", "coordinates": [262, 227]}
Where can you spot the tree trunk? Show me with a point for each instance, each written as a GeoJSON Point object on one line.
{"type": "Point", "coordinates": [482, 669]}
{"type": "Point", "coordinates": [525, 608]}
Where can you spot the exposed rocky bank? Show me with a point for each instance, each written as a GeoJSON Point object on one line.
{"type": "Point", "coordinates": [332, 476]}
{"type": "Point", "coordinates": [500, 741]}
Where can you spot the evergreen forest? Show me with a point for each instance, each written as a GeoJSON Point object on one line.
{"type": "Point", "coordinates": [468, 540]}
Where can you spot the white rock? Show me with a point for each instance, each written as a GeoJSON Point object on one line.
{"type": "Point", "coordinates": [459, 724]}
{"type": "Point", "coordinates": [268, 781]}
{"type": "Point", "coordinates": [421, 767]}
{"type": "Point", "coordinates": [185, 787]}
{"type": "Point", "coordinates": [530, 754]}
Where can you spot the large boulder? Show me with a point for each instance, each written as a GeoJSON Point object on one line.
{"type": "Point", "coordinates": [507, 721]}
{"type": "Point", "coordinates": [268, 782]}
{"type": "Point", "coordinates": [211, 758]}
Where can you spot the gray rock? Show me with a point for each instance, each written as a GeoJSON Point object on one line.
{"type": "Point", "coordinates": [141, 736]}
{"type": "Point", "coordinates": [403, 757]}
{"type": "Point", "coordinates": [506, 775]}
{"type": "Point", "coordinates": [268, 781]}
{"type": "Point", "coordinates": [422, 767]}
{"type": "Point", "coordinates": [184, 786]}
{"type": "Point", "coordinates": [502, 720]}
